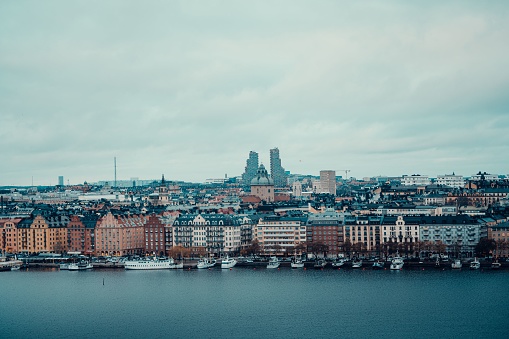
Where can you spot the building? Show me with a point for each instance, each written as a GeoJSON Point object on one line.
{"type": "Point", "coordinates": [459, 234]}
{"type": "Point", "coordinates": [325, 229]}
{"type": "Point", "coordinates": [250, 169]}
{"type": "Point", "coordinates": [262, 185]}
{"type": "Point", "coordinates": [215, 234]}
{"type": "Point", "coordinates": [280, 235]}
{"type": "Point", "coordinates": [500, 233]}
{"type": "Point", "coordinates": [328, 182]}
{"type": "Point", "coordinates": [276, 170]}
{"type": "Point", "coordinates": [42, 234]}
{"type": "Point", "coordinates": [362, 235]}
{"type": "Point", "coordinates": [81, 234]}
{"type": "Point", "coordinates": [119, 235]}
{"type": "Point", "coordinates": [399, 233]}
{"type": "Point", "coordinates": [61, 180]}
{"type": "Point", "coordinates": [451, 180]}
{"type": "Point", "coordinates": [155, 235]}
{"type": "Point", "coordinates": [415, 180]}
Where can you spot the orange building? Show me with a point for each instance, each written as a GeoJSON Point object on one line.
{"type": "Point", "coordinates": [42, 234]}
{"type": "Point", "coordinates": [9, 235]}
{"type": "Point", "coordinates": [120, 235]}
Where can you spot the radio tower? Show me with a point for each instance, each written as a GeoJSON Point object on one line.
{"type": "Point", "coordinates": [115, 168]}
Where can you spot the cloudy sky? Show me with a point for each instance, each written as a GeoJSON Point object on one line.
{"type": "Point", "coordinates": [188, 88]}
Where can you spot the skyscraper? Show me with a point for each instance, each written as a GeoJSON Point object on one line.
{"type": "Point", "coordinates": [277, 172]}
{"type": "Point", "coordinates": [251, 169]}
{"type": "Point", "coordinates": [328, 182]}
{"type": "Point", "coordinates": [60, 180]}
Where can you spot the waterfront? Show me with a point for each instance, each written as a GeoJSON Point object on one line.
{"type": "Point", "coordinates": [254, 303]}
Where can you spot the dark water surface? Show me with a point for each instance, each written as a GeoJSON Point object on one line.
{"type": "Point", "coordinates": [247, 303]}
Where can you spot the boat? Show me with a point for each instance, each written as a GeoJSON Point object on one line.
{"type": "Point", "coordinates": [397, 263]}
{"type": "Point", "coordinates": [297, 262]}
{"type": "Point", "coordinates": [495, 265]}
{"type": "Point", "coordinates": [80, 266]}
{"type": "Point", "coordinates": [356, 263]}
{"type": "Point", "coordinates": [176, 266]}
{"type": "Point", "coordinates": [475, 264]}
{"type": "Point", "coordinates": [64, 266]}
{"type": "Point", "coordinates": [228, 262]}
{"type": "Point", "coordinates": [379, 264]}
{"type": "Point", "coordinates": [206, 263]}
{"type": "Point", "coordinates": [148, 264]}
{"type": "Point", "coordinates": [338, 263]}
{"type": "Point", "coordinates": [320, 263]}
{"type": "Point", "coordinates": [15, 267]}
{"type": "Point", "coordinates": [273, 263]}
{"type": "Point", "coordinates": [456, 264]}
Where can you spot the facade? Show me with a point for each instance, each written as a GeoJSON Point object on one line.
{"type": "Point", "coordinates": [363, 234]}
{"type": "Point", "coordinates": [120, 235]}
{"type": "Point", "coordinates": [262, 185]}
{"type": "Point", "coordinates": [81, 234]}
{"type": "Point", "coordinates": [250, 169]}
{"type": "Point", "coordinates": [43, 234]}
{"type": "Point", "coordinates": [280, 235]}
{"type": "Point", "coordinates": [451, 180]}
{"type": "Point", "coordinates": [399, 233]}
{"type": "Point", "coordinates": [9, 235]}
{"type": "Point", "coordinates": [500, 233]}
{"type": "Point", "coordinates": [415, 180]}
{"type": "Point", "coordinates": [460, 234]}
{"type": "Point", "coordinates": [212, 233]}
{"type": "Point", "coordinates": [155, 235]}
{"type": "Point", "coordinates": [328, 182]}
{"type": "Point", "coordinates": [276, 170]}
{"type": "Point", "coordinates": [325, 228]}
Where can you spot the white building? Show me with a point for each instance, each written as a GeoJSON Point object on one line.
{"type": "Point", "coordinates": [451, 180]}
{"type": "Point", "coordinates": [415, 180]}
{"type": "Point", "coordinates": [280, 234]}
{"type": "Point", "coordinates": [328, 181]}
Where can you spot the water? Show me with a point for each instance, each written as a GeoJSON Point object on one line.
{"type": "Point", "coordinates": [247, 303]}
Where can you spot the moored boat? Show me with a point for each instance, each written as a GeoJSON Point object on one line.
{"type": "Point", "coordinates": [80, 266]}
{"type": "Point", "coordinates": [206, 263]}
{"type": "Point", "coordinates": [397, 263]}
{"type": "Point", "coordinates": [338, 263]}
{"type": "Point", "coordinates": [495, 265]}
{"type": "Point", "coordinates": [228, 262]}
{"type": "Point", "coordinates": [456, 264]}
{"type": "Point", "coordinates": [475, 264]}
{"type": "Point", "coordinates": [148, 264]}
{"type": "Point", "coordinates": [356, 263]}
{"type": "Point", "coordinates": [273, 263]}
{"type": "Point", "coordinates": [379, 264]}
{"type": "Point", "coordinates": [320, 263]}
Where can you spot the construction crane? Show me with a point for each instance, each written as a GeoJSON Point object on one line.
{"type": "Point", "coordinates": [346, 173]}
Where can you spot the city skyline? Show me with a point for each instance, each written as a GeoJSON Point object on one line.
{"type": "Point", "coordinates": [189, 88]}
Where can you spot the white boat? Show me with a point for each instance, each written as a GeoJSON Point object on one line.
{"type": "Point", "coordinates": [206, 263]}
{"type": "Point", "coordinates": [80, 266]}
{"type": "Point", "coordinates": [357, 263]}
{"type": "Point", "coordinates": [148, 264]}
{"type": "Point", "coordinates": [475, 264]}
{"type": "Point", "coordinates": [321, 263]}
{"type": "Point", "coordinates": [176, 266]}
{"type": "Point", "coordinates": [64, 266]}
{"type": "Point", "coordinates": [495, 265]}
{"type": "Point", "coordinates": [228, 262]}
{"type": "Point", "coordinates": [397, 263]}
{"type": "Point", "coordinates": [379, 264]}
{"type": "Point", "coordinates": [273, 263]}
{"type": "Point", "coordinates": [297, 263]}
{"type": "Point", "coordinates": [338, 263]}
{"type": "Point", "coordinates": [15, 268]}
{"type": "Point", "coordinates": [456, 264]}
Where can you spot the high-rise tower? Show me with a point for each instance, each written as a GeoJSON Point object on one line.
{"type": "Point", "coordinates": [251, 169]}
{"type": "Point", "coordinates": [276, 170]}
{"type": "Point", "coordinates": [328, 182]}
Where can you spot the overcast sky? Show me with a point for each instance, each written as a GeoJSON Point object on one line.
{"type": "Point", "coordinates": [188, 88]}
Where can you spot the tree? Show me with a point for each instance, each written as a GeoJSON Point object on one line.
{"type": "Point", "coordinates": [485, 246]}
{"type": "Point", "coordinates": [347, 246]}
{"type": "Point", "coordinates": [439, 247]}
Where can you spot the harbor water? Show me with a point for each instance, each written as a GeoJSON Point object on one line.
{"type": "Point", "coordinates": [254, 303]}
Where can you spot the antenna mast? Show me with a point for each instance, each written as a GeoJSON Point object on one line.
{"type": "Point", "coordinates": [115, 167]}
